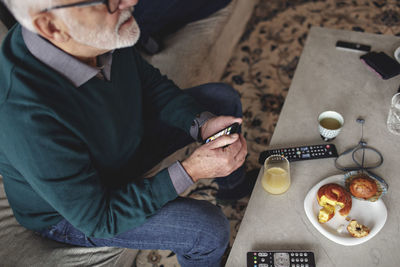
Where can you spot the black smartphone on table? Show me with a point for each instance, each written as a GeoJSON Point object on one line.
{"type": "Point", "coordinates": [231, 129]}
{"type": "Point", "coordinates": [381, 63]}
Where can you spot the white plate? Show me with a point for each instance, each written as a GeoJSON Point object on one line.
{"type": "Point", "coordinates": [371, 214]}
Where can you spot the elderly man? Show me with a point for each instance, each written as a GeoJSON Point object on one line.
{"type": "Point", "coordinates": [83, 117]}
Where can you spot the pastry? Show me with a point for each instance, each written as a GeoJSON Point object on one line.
{"type": "Point", "coordinates": [326, 213]}
{"type": "Point", "coordinates": [357, 230]}
{"type": "Point", "coordinates": [331, 196]}
{"type": "Point", "coordinates": [363, 187]}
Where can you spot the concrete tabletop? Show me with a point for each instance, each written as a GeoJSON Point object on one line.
{"type": "Point", "coordinates": [328, 79]}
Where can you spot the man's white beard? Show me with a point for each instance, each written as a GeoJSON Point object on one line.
{"type": "Point", "coordinates": [103, 38]}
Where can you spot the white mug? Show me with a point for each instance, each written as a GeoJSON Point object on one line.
{"type": "Point", "coordinates": [329, 124]}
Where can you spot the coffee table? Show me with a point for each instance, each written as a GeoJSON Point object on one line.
{"type": "Point", "coordinates": [328, 79]}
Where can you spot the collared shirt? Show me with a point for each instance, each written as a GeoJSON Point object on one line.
{"type": "Point", "coordinates": [74, 70]}
{"type": "Point", "coordinates": [79, 73]}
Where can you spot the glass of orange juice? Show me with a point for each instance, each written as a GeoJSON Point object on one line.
{"type": "Point", "coordinates": [276, 177]}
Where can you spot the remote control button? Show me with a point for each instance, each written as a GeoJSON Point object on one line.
{"type": "Point", "coordinates": [292, 254]}
{"type": "Point", "coordinates": [262, 259]}
{"type": "Point", "coordinates": [292, 260]}
{"type": "Point", "coordinates": [305, 254]}
{"type": "Point", "coordinates": [282, 259]}
{"type": "Point", "coordinates": [301, 259]}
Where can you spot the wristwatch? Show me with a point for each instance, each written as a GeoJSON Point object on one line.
{"type": "Point", "coordinates": [199, 121]}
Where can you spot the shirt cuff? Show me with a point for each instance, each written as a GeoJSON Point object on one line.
{"type": "Point", "coordinates": [179, 177]}
{"type": "Point", "coordinates": [198, 122]}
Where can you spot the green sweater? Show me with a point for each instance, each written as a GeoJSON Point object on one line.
{"type": "Point", "coordinates": [66, 152]}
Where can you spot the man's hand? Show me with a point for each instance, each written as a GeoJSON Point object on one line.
{"type": "Point", "coordinates": [213, 159]}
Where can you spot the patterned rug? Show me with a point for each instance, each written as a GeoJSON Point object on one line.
{"type": "Point", "coordinates": [261, 69]}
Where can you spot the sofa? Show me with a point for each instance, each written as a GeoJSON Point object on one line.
{"type": "Point", "coordinates": [197, 53]}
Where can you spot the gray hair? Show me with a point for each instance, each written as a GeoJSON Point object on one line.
{"type": "Point", "coordinates": [21, 8]}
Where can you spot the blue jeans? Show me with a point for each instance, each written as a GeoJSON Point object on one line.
{"type": "Point", "coordinates": [197, 231]}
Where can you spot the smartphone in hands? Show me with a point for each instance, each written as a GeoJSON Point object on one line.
{"type": "Point", "coordinates": [231, 129]}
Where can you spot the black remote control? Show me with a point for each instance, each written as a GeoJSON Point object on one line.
{"type": "Point", "coordinates": [354, 47]}
{"type": "Point", "coordinates": [295, 258]}
{"type": "Point", "coordinates": [302, 152]}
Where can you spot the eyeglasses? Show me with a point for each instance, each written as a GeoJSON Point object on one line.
{"type": "Point", "coordinates": [112, 5]}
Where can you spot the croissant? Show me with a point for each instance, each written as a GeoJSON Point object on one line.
{"type": "Point", "coordinates": [331, 196]}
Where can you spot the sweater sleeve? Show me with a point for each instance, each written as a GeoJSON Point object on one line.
{"type": "Point", "coordinates": [58, 167]}
{"type": "Point", "coordinates": [164, 100]}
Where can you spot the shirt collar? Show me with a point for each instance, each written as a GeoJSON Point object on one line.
{"type": "Point", "coordinates": [70, 67]}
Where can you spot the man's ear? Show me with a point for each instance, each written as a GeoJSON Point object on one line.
{"type": "Point", "coordinates": [50, 27]}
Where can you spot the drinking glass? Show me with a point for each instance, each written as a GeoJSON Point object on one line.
{"type": "Point", "coordinates": [276, 177]}
{"type": "Point", "coordinates": [393, 120]}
